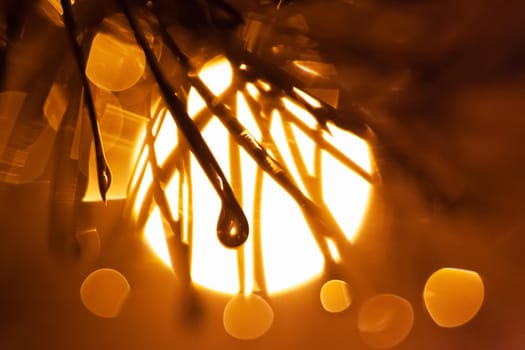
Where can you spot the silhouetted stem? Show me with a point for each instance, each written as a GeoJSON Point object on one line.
{"type": "Point", "coordinates": [103, 171]}
{"type": "Point", "coordinates": [232, 226]}
{"type": "Point", "coordinates": [319, 219]}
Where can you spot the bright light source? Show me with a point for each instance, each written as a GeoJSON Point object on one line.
{"type": "Point", "coordinates": [166, 139]}
{"type": "Point", "coordinates": [283, 246]}
{"type": "Point", "coordinates": [155, 236]}
{"type": "Point", "coordinates": [309, 99]}
{"type": "Point", "coordinates": [217, 74]}
{"type": "Point", "coordinates": [212, 265]}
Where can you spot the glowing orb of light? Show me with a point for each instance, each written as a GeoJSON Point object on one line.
{"type": "Point", "coordinates": [335, 296]}
{"type": "Point", "coordinates": [453, 296]}
{"type": "Point", "coordinates": [114, 64]}
{"type": "Point", "coordinates": [247, 317]}
{"type": "Point", "coordinates": [385, 320]}
{"type": "Point", "coordinates": [104, 292]}
{"type": "Point", "coordinates": [284, 253]}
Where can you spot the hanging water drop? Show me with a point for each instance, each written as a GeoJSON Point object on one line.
{"type": "Point", "coordinates": [104, 175]}
{"type": "Point", "coordinates": [232, 226]}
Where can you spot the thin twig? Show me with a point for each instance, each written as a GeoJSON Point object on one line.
{"type": "Point", "coordinates": [103, 171]}
{"type": "Point", "coordinates": [232, 226]}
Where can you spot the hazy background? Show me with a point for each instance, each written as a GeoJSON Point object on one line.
{"type": "Point", "coordinates": [444, 82]}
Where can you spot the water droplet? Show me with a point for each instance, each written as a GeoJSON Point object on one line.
{"type": "Point", "coordinates": [232, 226]}
{"type": "Point", "coordinates": [104, 177]}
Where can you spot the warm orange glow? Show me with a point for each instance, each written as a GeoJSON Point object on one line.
{"type": "Point", "coordinates": [264, 85]}
{"type": "Point", "coordinates": [143, 188]}
{"type": "Point", "coordinates": [172, 193]}
{"type": "Point", "coordinates": [246, 118]}
{"type": "Point", "coordinates": [329, 96]}
{"type": "Point", "coordinates": [89, 244]}
{"type": "Point", "coordinates": [247, 317]}
{"type": "Point", "coordinates": [166, 140]}
{"type": "Point", "coordinates": [155, 236]}
{"type": "Point", "coordinates": [217, 74]}
{"type": "Point", "coordinates": [11, 103]}
{"type": "Point", "coordinates": [453, 296]}
{"type": "Point", "coordinates": [356, 148]}
{"type": "Point", "coordinates": [385, 320]}
{"type": "Point", "coordinates": [114, 63]}
{"type": "Point", "coordinates": [144, 154]}
{"type": "Point", "coordinates": [280, 139]}
{"type": "Point", "coordinates": [305, 67]}
{"type": "Point", "coordinates": [345, 192]}
{"type": "Point", "coordinates": [104, 292]}
{"type": "Point", "coordinates": [334, 251]}
{"type": "Point", "coordinates": [55, 106]}
{"type": "Point", "coordinates": [212, 265]}
{"type": "Point", "coordinates": [252, 90]}
{"type": "Point", "coordinates": [195, 103]}
{"type": "Point", "coordinates": [290, 255]}
{"type": "Point", "coordinates": [58, 6]}
{"type": "Point", "coordinates": [122, 134]}
{"type": "Point", "coordinates": [309, 99]}
{"type": "Point", "coordinates": [300, 112]}
{"type": "Point", "coordinates": [315, 67]}
{"type": "Point", "coordinates": [335, 296]}
{"type": "Point", "coordinates": [24, 163]}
